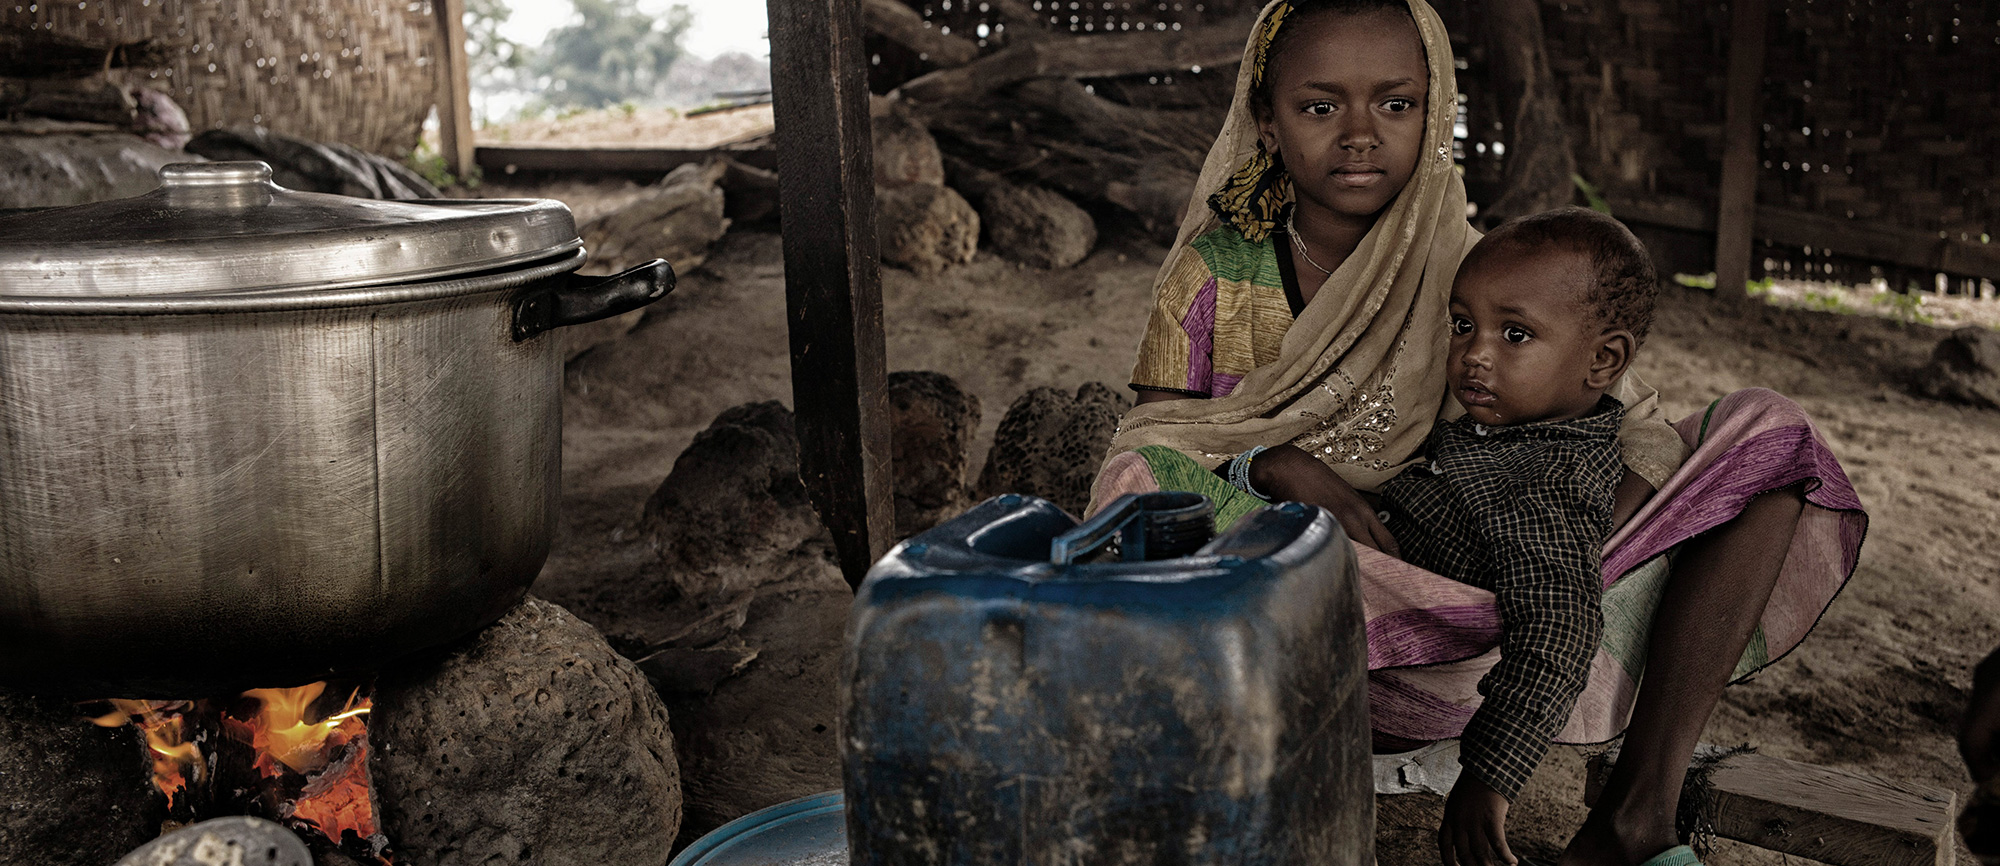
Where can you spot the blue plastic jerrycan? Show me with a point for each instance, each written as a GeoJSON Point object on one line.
{"type": "Point", "coordinates": [1015, 693]}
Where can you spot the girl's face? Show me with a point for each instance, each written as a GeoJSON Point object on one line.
{"type": "Point", "coordinates": [1347, 111]}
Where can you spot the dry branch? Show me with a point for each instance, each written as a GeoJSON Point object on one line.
{"type": "Point", "coordinates": [904, 26]}
{"type": "Point", "coordinates": [1054, 133]}
{"type": "Point", "coordinates": [1104, 56]}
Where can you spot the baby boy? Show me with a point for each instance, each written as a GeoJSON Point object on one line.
{"type": "Point", "coordinates": [1516, 496]}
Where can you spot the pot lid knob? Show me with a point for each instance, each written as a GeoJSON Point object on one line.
{"type": "Point", "coordinates": [191, 175]}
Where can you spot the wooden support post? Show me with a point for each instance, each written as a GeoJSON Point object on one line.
{"type": "Point", "coordinates": [454, 96]}
{"type": "Point", "coordinates": [1820, 813]}
{"type": "Point", "coordinates": [833, 279]}
{"type": "Point", "coordinates": [1742, 135]}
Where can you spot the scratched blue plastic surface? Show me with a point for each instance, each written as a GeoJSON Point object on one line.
{"type": "Point", "coordinates": [808, 831]}
{"type": "Point", "coordinates": [998, 708]}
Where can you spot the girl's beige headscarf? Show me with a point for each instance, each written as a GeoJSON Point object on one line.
{"type": "Point", "coordinates": [1360, 377]}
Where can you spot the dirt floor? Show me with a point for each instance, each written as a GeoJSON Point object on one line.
{"type": "Point", "coordinates": [1877, 688]}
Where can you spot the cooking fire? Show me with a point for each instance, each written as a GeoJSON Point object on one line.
{"type": "Point", "coordinates": [298, 756]}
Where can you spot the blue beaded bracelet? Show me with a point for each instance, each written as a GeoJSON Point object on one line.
{"type": "Point", "coordinates": [1239, 471]}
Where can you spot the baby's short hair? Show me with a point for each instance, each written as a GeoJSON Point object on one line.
{"type": "Point", "coordinates": [1623, 283]}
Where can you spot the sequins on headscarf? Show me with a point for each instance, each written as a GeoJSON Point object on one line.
{"type": "Point", "coordinates": [1253, 200]}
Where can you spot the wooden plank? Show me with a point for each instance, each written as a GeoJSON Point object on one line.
{"type": "Point", "coordinates": [833, 279]}
{"type": "Point", "coordinates": [639, 160]}
{"type": "Point", "coordinates": [1742, 104]}
{"type": "Point", "coordinates": [1844, 237]}
{"type": "Point", "coordinates": [1821, 813]}
{"type": "Point", "coordinates": [1102, 56]}
{"type": "Point", "coordinates": [907, 27]}
{"type": "Point", "coordinates": [454, 99]}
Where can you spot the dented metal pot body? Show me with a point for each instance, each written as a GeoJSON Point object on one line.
{"type": "Point", "coordinates": [250, 437]}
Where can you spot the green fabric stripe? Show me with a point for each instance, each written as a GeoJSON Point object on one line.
{"type": "Point", "coordinates": [1629, 606]}
{"type": "Point", "coordinates": [1176, 471]}
{"type": "Point", "coordinates": [1232, 259]}
{"type": "Point", "coordinates": [1703, 435]}
{"type": "Point", "coordinates": [1755, 656]}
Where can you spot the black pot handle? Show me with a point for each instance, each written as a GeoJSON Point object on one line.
{"type": "Point", "coordinates": [587, 299]}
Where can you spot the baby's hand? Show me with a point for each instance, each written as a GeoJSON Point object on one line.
{"type": "Point", "coordinates": [1287, 474]}
{"type": "Point", "coordinates": [1475, 826]}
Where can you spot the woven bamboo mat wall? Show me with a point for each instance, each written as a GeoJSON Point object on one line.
{"type": "Point", "coordinates": [353, 71]}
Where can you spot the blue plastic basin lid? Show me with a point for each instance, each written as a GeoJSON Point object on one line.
{"type": "Point", "coordinates": [809, 831]}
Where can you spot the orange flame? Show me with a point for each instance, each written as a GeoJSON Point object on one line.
{"type": "Point", "coordinates": [281, 730]}
{"type": "Point", "coordinates": [336, 796]}
{"type": "Point", "coordinates": [174, 758]}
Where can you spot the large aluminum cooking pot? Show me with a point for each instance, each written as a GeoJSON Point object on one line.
{"type": "Point", "coordinates": [250, 436]}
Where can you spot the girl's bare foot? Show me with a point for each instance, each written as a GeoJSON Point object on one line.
{"type": "Point", "coordinates": [1602, 841]}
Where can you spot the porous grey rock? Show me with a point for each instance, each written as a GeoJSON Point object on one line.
{"type": "Point", "coordinates": [750, 194]}
{"type": "Point", "coordinates": [1050, 444]}
{"type": "Point", "coordinates": [925, 227]}
{"type": "Point", "coordinates": [905, 152]}
{"type": "Point", "coordinates": [1028, 224]}
{"type": "Point", "coordinates": [1964, 368]}
{"type": "Point", "coordinates": [749, 670]}
{"type": "Point", "coordinates": [71, 792]}
{"type": "Point", "coordinates": [1036, 226]}
{"type": "Point", "coordinates": [532, 742]}
{"type": "Point", "coordinates": [932, 421]}
{"type": "Point", "coordinates": [236, 841]}
{"type": "Point", "coordinates": [733, 515]}
{"type": "Point", "coordinates": [676, 219]}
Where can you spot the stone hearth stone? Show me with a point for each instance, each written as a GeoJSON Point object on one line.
{"type": "Point", "coordinates": [905, 152]}
{"type": "Point", "coordinates": [1036, 226]}
{"type": "Point", "coordinates": [932, 421]}
{"type": "Point", "coordinates": [1965, 368]}
{"type": "Point", "coordinates": [531, 742]}
{"type": "Point", "coordinates": [765, 735]}
{"type": "Point", "coordinates": [733, 515]}
{"type": "Point", "coordinates": [1050, 445]}
{"type": "Point", "coordinates": [747, 650]}
{"type": "Point", "coordinates": [235, 841]}
{"type": "Point", "coordinates": [70, 791]}
{"type": "Point", "coordinates": [925, 227]}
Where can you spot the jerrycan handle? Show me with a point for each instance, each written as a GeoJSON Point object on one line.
{"type": "Point", "coordinates": [1148, 526]}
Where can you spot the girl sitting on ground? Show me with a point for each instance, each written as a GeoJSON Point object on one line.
{"type": "Point", "coordinates": [1303, 310]}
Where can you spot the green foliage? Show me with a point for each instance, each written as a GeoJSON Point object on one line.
{"type": "Point", "coordinates": [429, 163]}
{"type": "Point", "coordinates": [1905, 308]}
{"type": "Point", "coordinates": [1591, 194]}
{"type": "Point", "coordinates": [616, 53]}
{"type": "Point", "coordinates": [1757, 288]}
{"type": "Point", "coordinates": [1826, 302]}
{"type": "Point", "coordinates": [1696, 281]}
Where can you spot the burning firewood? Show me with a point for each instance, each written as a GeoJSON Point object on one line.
{"type": "Point", "coordinates": [298, 756]}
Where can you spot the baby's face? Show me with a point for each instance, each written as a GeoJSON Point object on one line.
{"type": "Point", "coordinates": [1521, 340]}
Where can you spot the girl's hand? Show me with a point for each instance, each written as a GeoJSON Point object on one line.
{"type": "Point", "coordinates": [1286, 473]}
{"type": "Point", "coordinates": [1475, 826]}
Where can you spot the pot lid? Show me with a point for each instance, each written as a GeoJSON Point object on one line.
{"type": "Point", "coordinates": [224, 228]}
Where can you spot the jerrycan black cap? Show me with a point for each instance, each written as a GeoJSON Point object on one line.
{"type": "Point", "coordinates": [1147, 526]}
